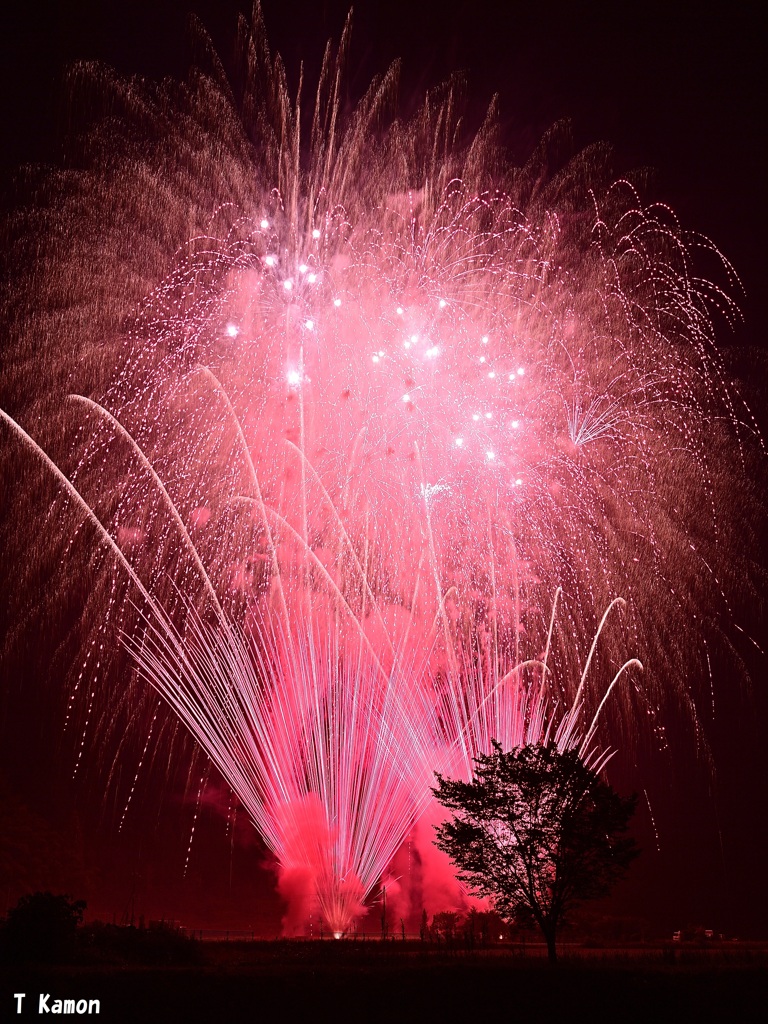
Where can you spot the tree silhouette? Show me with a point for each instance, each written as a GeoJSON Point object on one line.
{"type": "Point", "coordinates": [42, 927]}
{"type": "Point", "coordinates": [536, 830]}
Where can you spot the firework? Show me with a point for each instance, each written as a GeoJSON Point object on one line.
{"type": "Point", "coordinates": [365, 404]}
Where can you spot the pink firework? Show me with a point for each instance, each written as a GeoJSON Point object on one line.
{"type": "Point", "coordinates": [366, 403]}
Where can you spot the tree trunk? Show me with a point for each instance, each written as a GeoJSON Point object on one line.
{"type": "Point", "coordinates": [549, 935]}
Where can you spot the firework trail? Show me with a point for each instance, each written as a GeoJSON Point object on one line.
{"type": "Point", "coordinates": [361, 400]}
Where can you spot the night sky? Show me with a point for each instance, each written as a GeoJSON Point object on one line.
{"type": "Point", "coordinates": [674, 88]}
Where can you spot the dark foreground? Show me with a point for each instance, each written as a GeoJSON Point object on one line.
{"type": "Point", "coordinates": [348, 981]}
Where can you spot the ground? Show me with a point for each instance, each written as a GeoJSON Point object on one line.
{"type": "Point", "coordinates": [395, 981]}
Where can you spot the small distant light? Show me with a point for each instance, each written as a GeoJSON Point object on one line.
{"type": "Point", "coordinates": [399, 310]}
{"type": "Point", "coordinates": [407, 399]}
{"type": "Point", "coordinates": [316, 233]}
{"type": "Point", "coordinates": [406, 344]}
{"type": "Point", "coordinates": [485, 339]}
{"type": "Point", "coordinates": [337, 303]}
{"type": "Point", "coordinates": [232, 330]}
{"type": "Point", "coordinates": [492, 375]}
{"type": "Point", "coordinates": [303, 268]}
{"type": "Point", "coordinates": [311, 278]}
{"type": "Point", "coordinates": [381, 354]}
{"type": "Point", "coordinates": [270, 260]}
{"type": "Point", "coordinates": [459, 442]}
{"type": "Point", "coordinates": [375, 358]}
{"type": "Point", "coordinates": [512, 377]}
{"type": "Point", "coordinates": [515, 424]}
{"type": "Point", "coordinates": [433, 352]}
{"type": "Point", "coordinates": [482, 359]}
{"type": "Point", "coordinates": [309, 324]}
{"type": "Point", "coordinates": [489, 415]}
{"type": "Point", "coordinates": [476, 416]}
{"type": "Point", "coordinates": [521, 371]}
{"type": "Point", "coordinates": [264, 224]}
{"type": "Point", "coordinates": [294, 378]}
{"type": "Point", "coordinates": [518, 482]}
{"type": "Point", "coordinates": [414, 338]}
{"type": "Point", "coordinates": [442, 303]}
{"type": "Point", "coordinates": [490, 456]}
{"type": "Point", "coordinates": [288, 284]}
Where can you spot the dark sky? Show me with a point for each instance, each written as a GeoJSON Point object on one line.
{"type": "Point", "coordinates": [675, 87]}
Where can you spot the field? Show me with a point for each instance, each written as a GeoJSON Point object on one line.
{"type": "Point", "coordinates": [405, 981]}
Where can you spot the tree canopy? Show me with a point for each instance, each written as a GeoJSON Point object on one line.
{"type": "Point", "coordinates": [537, 831]}
{"type": "Point", "coordinates": [42, 926]}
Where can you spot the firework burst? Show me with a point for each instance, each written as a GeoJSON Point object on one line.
{"type": "Point", "coordinates": [365, 403]}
